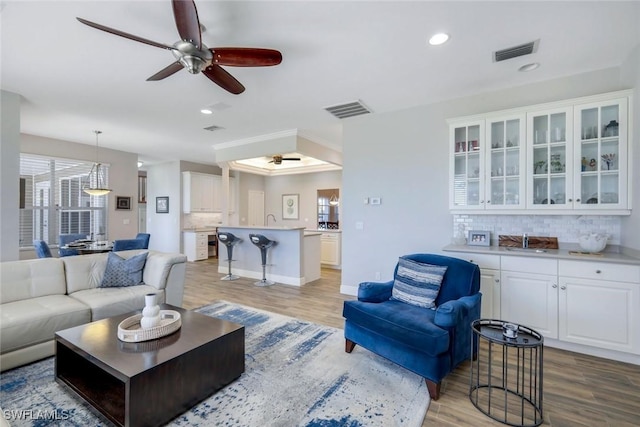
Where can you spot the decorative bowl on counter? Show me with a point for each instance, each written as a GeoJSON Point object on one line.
{"type": "Point", "coordinates": [593, 242]}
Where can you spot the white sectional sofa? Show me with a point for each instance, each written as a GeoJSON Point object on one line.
{"type": "Point", "coordinates": [41, 296]}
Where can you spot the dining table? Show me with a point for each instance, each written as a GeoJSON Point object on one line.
{"type": "Point", "coordinates": [86, 248]}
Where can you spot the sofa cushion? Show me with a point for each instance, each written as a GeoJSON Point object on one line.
{"type": "Point", "coordinates": [32, 321]}
{"type": "Point", "coordinates": [122, 272]}
{"type": "Point", "coordinates": [417, 283]}
{"type": "Point", "coordinates": [109, 302]}
{"type": "Point", "coordinates": [409, 325]}
{"type": "Point", "coordinates": [31, 278]}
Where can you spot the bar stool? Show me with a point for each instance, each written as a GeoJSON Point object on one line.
{"type": "Point", "coordinates": [263, 244]}
{"type": "Point", "coordinates": [229, 240]}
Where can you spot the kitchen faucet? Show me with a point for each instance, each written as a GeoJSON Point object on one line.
{"type": "Point", "coordinates": [274, 218]}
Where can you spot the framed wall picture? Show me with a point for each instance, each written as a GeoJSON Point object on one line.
{"type": "Point", "coordinates": [162, 204]}
{"type": "Point", "coordinates": [290, 206]}
{"type": "Point", "coordinates": [123, 203]}
{"type": "Point", "coordinates": [479, 238]}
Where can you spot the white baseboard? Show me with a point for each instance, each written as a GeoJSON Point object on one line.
{"type": "Point", "coordinates": [594, 351]}
{"type": "Point", "coordinates": [286, 280]}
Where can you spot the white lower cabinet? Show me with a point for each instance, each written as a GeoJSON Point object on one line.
{"type": "Point", "coordinates": [598, 305]}
{"type": "Point", "coordinates": [330, 249]}
{"type": "Point", "coordinates": [529, 293]}
{"type": "Point", "coordinates": [489, 283]}
{"type": "Point", "coordinates": [196, 246]}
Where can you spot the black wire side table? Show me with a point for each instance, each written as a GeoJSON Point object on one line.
{"type": "Point", "coordinates": [506, 376]}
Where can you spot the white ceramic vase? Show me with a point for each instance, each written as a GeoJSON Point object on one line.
{"type": "Point", "coordinates": [150, 312]}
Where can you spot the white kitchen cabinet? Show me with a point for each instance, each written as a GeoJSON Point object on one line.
{"type": "Point", "coordinates": [550, 154]}
{"type": "Point", "coordinates": [196, 245]}
{"type": "Point", "coordinates": [566, 157]}
{"type": "Point", "coordinates": [599, 305]}
{"type": "Point", "coordinates": [601, 155]}
{"type": "Point", "coordinates": [467, 166]}
{"type": "Point", "coordinates": [489, 283]}
{"type": "Point", "coordinates": [505, 159]}
{"type": "Point", "coordinates": [529, 297]}
{"type": "Point", "coordinates": [330, 245]}
{"type": "Point", "coordinates": [198, 192]}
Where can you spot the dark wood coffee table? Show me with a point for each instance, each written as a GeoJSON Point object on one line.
{"type": "Point", "coordinates": [151, 382]}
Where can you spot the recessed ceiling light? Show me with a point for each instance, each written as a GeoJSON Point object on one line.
{"type": "Point", "coordinates": [529, 67]}
{"type": "Point", "coordinates": [438, 39]}
{"type": "Point", "coordinates": [206, 111]}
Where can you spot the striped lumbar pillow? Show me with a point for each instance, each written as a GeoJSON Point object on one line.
{"type": "Point", "coordinates": [417, 283]}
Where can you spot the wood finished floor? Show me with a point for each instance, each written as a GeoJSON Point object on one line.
{"type": "Point", "coordinates": [579, 390]}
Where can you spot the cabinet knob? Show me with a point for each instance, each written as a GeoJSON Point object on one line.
{"type": "Point", "coordinates": [570, 200]}
{"type": "Point", "coordinates": [488, 201]}
{"type": "Point", "coordinates": [577, 200]}
{"type": "Point", "coordinates": [563, 287]}
{"type": "Point", "coordinates": [497, 280]}
{"type": "Point", "coordinates": [554, 286]}
{"type": "Point", "coordinates": [598, 271]}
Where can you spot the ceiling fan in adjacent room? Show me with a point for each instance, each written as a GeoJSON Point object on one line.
{"type": "Point", "coordinates": [277, 159]}
{"type": "Point", "coordinates": [192, 54]}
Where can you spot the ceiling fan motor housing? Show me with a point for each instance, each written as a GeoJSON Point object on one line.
{"type": "Point", "coordinates": [192, 58]}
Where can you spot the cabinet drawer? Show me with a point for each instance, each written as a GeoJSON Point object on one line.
{"type": "Point", "coordinates": [482, 260]}
{"type": "Point", "coordinates": [600, 271]}
{"type": "Point", "coordinates": [529, 265]}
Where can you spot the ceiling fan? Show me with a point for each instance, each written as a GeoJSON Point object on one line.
{"type": "Point", "coordinates": [277, 159]}
{"type": "Point", "coordinates": [192, 54]}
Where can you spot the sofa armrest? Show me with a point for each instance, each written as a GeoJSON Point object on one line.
{"type": "Point", "coordinates": [451, 313]}
{"type": "Point", "coordinates": [374, 291]}
{"type": "Point", "coordinates": [166, 271]}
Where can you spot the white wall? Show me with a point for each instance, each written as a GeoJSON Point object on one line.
{"type": "Point", "coordinates": [306, 185]}
{"type": "Point", "coordinates": [402, 157]}
{"type": "Point", "coordinates": [164, 179]}
{"type": "Point", "coordinates": [248, 182]}
{"type": "Point", "coordinates": [630, 75]}
{"type": "Point", "coordinates": [9, 175]}
{"type": "Point", "coordinates": [123, 176]}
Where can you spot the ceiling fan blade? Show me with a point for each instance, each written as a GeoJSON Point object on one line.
{"type": "Point", "coordinates": [222, 78]}
{"type": "Point", "coordinates": [166, 72]}
{"type": "Point", "coordinates": [125, 35]}
{"type": "Point", "coordinates": [246, 56]}
{"type": "Point", "coordinates": [186, 16]}
{"type": "Point", "coordinates": [291, 158]}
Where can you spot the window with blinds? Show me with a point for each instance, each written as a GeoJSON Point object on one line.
{"type": "Point", "coordinates": [52, 201]}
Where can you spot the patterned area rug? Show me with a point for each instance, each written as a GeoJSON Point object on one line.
{"type": "Point", "coordinates": [297, 374]}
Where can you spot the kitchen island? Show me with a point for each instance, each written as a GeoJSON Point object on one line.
{"type": "Point", "coordinates": [294, 260]}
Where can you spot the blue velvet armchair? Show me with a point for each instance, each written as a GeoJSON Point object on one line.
{"type": "Point", "coordinates": [42, 249]}
{"type": "Point", "coordinates": [429, 342]}
{"type": "Point", "coordinates": [140, 242]}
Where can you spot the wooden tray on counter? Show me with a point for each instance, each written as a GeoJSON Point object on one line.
{"type": "Point", "coordinates": [535, 242]}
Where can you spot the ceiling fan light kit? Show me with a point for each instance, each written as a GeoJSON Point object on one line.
{"type": "Point", "coordinates": [192, 54]}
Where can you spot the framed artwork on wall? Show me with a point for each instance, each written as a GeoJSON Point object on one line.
{"type": "Point", "coordinates": [123, 203]}
{"type": "Point", "coordinates": [479, 238]}
{"type": "Point", "coordinates": [290, 206]}
{"type": "Point", "coordinates": [162, 204]}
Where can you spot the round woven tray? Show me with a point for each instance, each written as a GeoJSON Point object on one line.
{"type": "Point", "coordinates": [129, 330]}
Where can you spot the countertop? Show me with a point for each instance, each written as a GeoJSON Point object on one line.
{"type": "Point", "coordinates": [312, 233]}
{"type": "Point", "coordinates": [199, 230]}
{"type": "Point", "coordinates": [611, 254]}
{"type": "Point", "coordinates": [261, 227]}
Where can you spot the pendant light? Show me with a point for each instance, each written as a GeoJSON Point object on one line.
{"type": "Point", "coordinates": [333, 201]}
{"type": "Point", "coordinates": [96, 176]}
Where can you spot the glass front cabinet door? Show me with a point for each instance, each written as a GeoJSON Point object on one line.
{"type": "Point", "coordinates": [505, 154]}
{"type": "Point", "coordinates": [601, 155]}
{"type": "Point", "coordinates": [549, 142]}
{"type": "Point", "coordinates": [467, 184]}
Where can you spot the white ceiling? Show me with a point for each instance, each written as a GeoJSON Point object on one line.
{"type": "Point", "coordinates": [75, 79]}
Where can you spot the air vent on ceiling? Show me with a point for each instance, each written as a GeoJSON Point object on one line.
{"type": "Point", "coordinates": [515, 51]}
{"type": "Point", "coordinates": [213, 128]}
{"type": "Point", "coordinates": [349, 109]}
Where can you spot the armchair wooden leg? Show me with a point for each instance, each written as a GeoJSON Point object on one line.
{"type": "Point", "coordinates": [349, 345]}
{"type": "Point", "coordinates": [434, 389]}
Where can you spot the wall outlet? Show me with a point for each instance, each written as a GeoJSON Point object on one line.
{"type": "Point", "coordinates": [377, 275]}
{"type": "Point", "coordinates": [359, 225]}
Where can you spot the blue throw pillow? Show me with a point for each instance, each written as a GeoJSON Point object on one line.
{"type": "Point", "coordinates": [417, 283]}
{"type": "Point", "coordinates": [123, 272]}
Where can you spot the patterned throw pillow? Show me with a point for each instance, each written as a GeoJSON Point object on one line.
{"type": "Point", "coordinates": [417, 283]}
{"type": "Point", "coordinates": [122, 272]}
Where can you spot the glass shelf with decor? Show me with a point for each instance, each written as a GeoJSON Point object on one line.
{"type": "Point", "coordinates": [468, 170]}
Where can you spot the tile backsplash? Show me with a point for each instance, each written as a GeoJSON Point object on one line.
{"type": "Point", "coordinates": [201, 220]}
{"type": "Point", "coordinates": [567, 228]}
